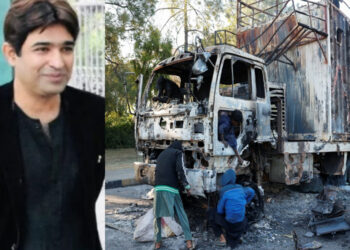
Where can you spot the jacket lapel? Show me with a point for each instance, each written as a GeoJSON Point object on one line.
{"type": "Point", "coordinates": [10, 155]}
{"type": "Point", "coordinates": [75, 117]}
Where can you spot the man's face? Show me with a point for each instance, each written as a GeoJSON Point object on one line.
{"type": "Point", "coordinates": [45, 64]}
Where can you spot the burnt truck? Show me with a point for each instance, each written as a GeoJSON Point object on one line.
{"type": "Point", "coordinates": [290, 79]}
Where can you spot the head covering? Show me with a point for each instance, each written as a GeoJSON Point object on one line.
{"type": "Point", "coordinates": [236, 115]}
{"type": "Point", "coordinates": [228, 181]}
{"type": "Point", "coordinates": [176, 145]}
{"type": "Point", "coordinates": [229, 177]}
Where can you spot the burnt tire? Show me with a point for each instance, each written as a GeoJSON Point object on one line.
{"type": "Point", "coordinates": [255, 209]}
{"type": "Point", "coordinates": [315, 186]}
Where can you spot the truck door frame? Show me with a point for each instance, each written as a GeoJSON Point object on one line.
{"type": "Point", "coordinates": [263, 108]}
{"type": "Point", "coordinates": [247, 107]}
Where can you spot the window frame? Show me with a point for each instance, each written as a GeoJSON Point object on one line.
{"type": "Point", "coordinates": [264, 82]}
{"type": "Point", "coordinates": [251, 77]}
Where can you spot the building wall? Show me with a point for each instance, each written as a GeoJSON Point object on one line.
{"type": "Point", "coordinates": [5, 69]}
{"type": "Point", "coordinates": [89, 70]}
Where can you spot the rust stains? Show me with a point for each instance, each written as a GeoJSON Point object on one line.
{"type": "Point", "coordinates": [293, 167]}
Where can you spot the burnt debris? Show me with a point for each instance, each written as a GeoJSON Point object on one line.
{"type": "Point", "coordinates": [328, 213]}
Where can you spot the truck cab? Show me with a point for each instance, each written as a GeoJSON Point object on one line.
{"type": "Point", "coordinates": [218, 79]}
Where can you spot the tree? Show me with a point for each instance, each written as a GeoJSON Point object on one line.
{"type": "Point", "coordinates": [124, 18]}
{"type": "Point", "coordinates": [149, 49]}
{"type": "Point", "coordinates": [182, 13]}
{"type": "Point", "coordinates": [128, 20]}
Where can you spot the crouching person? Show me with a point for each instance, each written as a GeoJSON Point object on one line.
{"type": "Point", "coordinates": [230, 212]}
{"type": "Point", "coordinates": [169, 176]}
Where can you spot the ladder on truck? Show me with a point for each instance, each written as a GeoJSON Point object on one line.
{"type": "Point", "coordinates": [268, 29]}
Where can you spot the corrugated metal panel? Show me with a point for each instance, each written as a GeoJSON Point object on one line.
{"type": "Point", "coordinates": [306, 92]}
{"type": "Point", "coordinates": [340, 84]}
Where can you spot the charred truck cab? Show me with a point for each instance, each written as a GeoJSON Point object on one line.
{"type": "Point", "coordinates": [222, 78]}
{"type": "Point", "coordinates": [296, 111]}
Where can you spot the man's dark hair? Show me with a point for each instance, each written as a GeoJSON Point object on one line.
{"type": "Point", "coordinates": [237, 116]}
{"type": "Point", "coordinates": [25, 16]}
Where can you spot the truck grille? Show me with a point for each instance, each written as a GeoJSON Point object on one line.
{"type": "Point", "coordinates": [278, 114]}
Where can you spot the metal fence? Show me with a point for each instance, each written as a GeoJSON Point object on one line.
{"type": "Point", "coordinates": [89, 71]}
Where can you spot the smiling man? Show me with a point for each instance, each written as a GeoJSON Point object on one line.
{"type": "Point", "coordinates": [51, 135]}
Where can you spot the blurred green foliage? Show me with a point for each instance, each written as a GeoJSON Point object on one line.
{"type": "Point", "coordinates": [128, 20]}
{"type": "Point", "coordinates": [119, 131]}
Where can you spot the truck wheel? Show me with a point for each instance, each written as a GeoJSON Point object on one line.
{"type": "Point", "coordinates": [255, 209]}
{"type": "Point", "coordinates": [315, 186]}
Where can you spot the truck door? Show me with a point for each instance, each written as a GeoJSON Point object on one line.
{"type": "Point", "coordinates": [263, 106]}
{"type": "Point", "coordinates": [234, 92]}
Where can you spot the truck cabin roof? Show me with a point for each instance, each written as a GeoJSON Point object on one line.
{"type": "Point", "coordinates": [181, 64]}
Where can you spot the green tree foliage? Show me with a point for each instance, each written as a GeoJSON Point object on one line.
{"type": "Point", "coordinates": [124, 19]}
{"type": "Point", "coordinates": [128, 22]}
{"type": "Point", "coordinates": [119, 131]}
{"type": "Point", "coordinates": [149, 49]}
{"type": "Point", "coordinates": [192, 17]}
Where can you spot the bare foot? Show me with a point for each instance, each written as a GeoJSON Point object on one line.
{"type": "Point", "coordinates": [189, 244]}
{"type": "Point", "coordinates": [222, 238]}
{"type": "Point", "coordinates": [157, 245]}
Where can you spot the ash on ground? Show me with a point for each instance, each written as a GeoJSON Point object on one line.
{"type": "Point", "coordinates": [285, 211]}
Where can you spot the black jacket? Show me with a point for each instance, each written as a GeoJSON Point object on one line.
{"type": "Point", "coordinates": [170, 167]}
{"type": "Point", "coordinates": [85, 112]}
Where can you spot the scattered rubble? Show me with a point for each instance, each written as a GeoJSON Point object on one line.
{"type": "Point", "coordinates": [309, 234]}
{"type": "Point", "coordinates": [290, 211]}
{"type": "Point", "coordinates": [149, 195]}
{"type": "Point", "coordinates": [311, 245]}
{"type": "Point", "coordinates": [133, 208]}
{"type": "Point", "coordinates": [263, 224]}
{"type": "Point", "coordinates": [327, 217]}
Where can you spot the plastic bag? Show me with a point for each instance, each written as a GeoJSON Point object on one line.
{"type": "Point", "coordinates": [195, 179]}
{"type": "Point", "coordinates": [144, 230]}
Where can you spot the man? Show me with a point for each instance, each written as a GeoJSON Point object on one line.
{"type": "Point", "coordinates": [167, 90]}
{"type": "Point", "coordinates": [226, 130]}
{"type": "Point", "coordinates": [230, 212]}
{"type": "Point", "coordinates": [52, 136]}
{"type": "Point", "coordinates": [169, 176]}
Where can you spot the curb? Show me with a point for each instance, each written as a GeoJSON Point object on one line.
{"type": "Point", "coordinates": [121, 183]}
